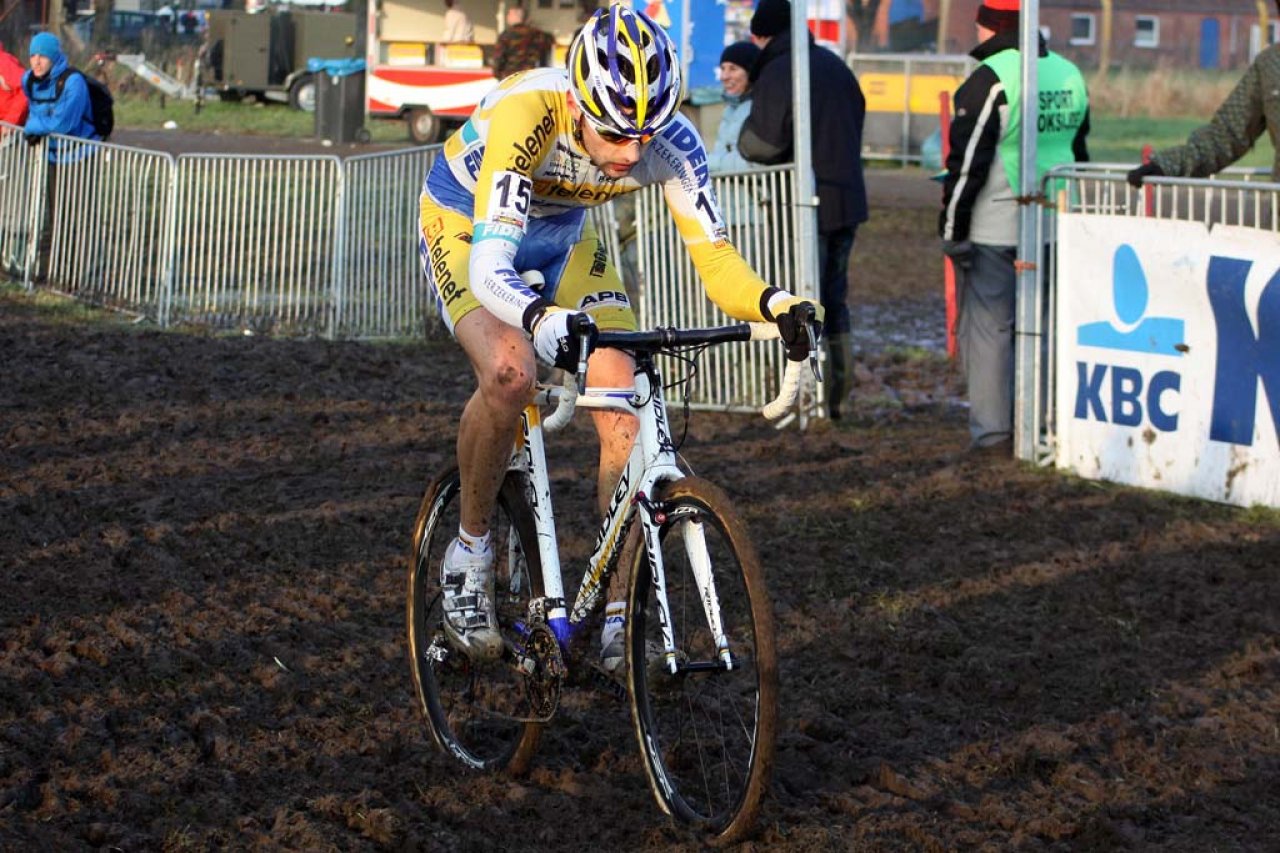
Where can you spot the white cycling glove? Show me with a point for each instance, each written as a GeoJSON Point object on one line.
{"type": "Point", "coordinates": [556, 340]}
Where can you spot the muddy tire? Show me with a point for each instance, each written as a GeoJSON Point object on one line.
{"type": "Point", "coordinates": [707, 733]}
{"type": "Point", "coordinates": [470, 709]}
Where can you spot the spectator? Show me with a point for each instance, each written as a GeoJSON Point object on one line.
{"type": "Point", "coordinates": [1250, 109]}
{"type": "Point", "coordinates": [837, 110]}
{"type": "Point", "coordinates": [13, 102]}
{"type": "Point", "coordinates": [457, 26]}
{"type": "Point", "coordinates": [736, 62]}
{"type": "Point", "coordinates": [167, 17]}
{"type": "Point", "coordinates": [979, 221]}
{"type": "Point", "coordinates": [521, 46]}
{"type": "Point", "coordinates": [67, 112]}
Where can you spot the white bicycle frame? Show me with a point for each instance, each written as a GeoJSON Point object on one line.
{"type": "Point", "coordinates": [652, 462]}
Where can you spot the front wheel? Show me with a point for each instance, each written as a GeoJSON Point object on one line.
{"type": "Point", "coordinates": [477, 713]}
{"type": "Point", "coordinates": [707, 731]}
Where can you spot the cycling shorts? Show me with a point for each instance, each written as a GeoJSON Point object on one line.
{"type": "Point", "coordinates": [566, 249]}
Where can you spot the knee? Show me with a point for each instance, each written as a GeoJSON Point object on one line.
{"type": "Point", "coordinates": [508, 383]}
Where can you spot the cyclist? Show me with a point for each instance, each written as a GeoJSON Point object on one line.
{"type": "Point", "coordinates": [509, 194]}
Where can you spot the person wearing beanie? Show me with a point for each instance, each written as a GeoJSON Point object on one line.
{"type": "Point", "coordinates": [979, 224]}
{"type": "Point", "coordinates": [999, 16]}
{"type": "Point", "coordinates": [837, 113]}
{"type": "Point", "coordinates": [771, 18]}
{"type": "Point", "coordinates": [1250, 109]}
{"type": "Point", "coordinates": [736, 61]}
{"type": "Point", "coordinates": [13, 102]}
{"type": "Point", "coordinates": [64, 110]}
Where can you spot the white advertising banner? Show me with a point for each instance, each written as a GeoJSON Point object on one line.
{"type": "Point", "coordinates": [1168, 356]}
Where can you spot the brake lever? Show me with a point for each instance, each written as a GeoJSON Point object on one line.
{"type": "Point", "coordinates": [584, 347]}
{"type": "Point", "coordinates": [813, 351]}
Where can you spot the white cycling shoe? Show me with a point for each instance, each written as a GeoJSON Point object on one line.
{"type": "Point", "coordinates": [470, 615]}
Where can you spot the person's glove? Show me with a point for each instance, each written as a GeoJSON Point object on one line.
{"type": "Point", "coordinates": [1146, 170]}
{"type": "Point", "coordinates": [32, 138]}
{"type": "Point", "coordinates": [792, 325]}
{"type": "Point", "coordinates": [959, 251]}
{"type": "Point", "coordinates": [556, 337]}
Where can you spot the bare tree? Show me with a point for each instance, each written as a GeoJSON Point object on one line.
{"type": "Point", "coordinates": [863, 14]}
{"type": "Point", "coordinates": [102, 10]}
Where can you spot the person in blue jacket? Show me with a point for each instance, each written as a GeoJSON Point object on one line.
{"type": "Point", "coordinates": [69, 113]}
{"type": "Point", "coordinates": [66, 113]}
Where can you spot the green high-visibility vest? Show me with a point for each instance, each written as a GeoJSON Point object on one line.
{"type": "Point", "coordinates": [1063, 103]}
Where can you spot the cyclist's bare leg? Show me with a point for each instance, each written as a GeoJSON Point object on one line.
{"type": "Point", "coordinates": [617, 431]}
{"type": "Point", "coordinates": [503, 361]}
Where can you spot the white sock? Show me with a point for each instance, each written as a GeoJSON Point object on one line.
{"type": "Point", "coordinates": [615, 621]}
{"type": "Point", "coordinates": [473, 544]}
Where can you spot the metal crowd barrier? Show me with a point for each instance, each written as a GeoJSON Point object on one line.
{"type": "Point", "coordinates": [383, 291]}
{"type": "Point", "coordinates": [317, 245]}
{"type": "Point", "coordinates": [254, 242]}
{"type": "Point", "coordinates": [757, 207]}
{"type": "Point", "coordinates": [21, 177]}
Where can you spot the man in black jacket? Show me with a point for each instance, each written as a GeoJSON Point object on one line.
{"type": "Point", "coordinates": [837, 110]}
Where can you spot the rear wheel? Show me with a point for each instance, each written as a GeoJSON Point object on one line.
{"type": "Point", "coordinates": [706, 732]}
{"type": "Point", "coordinates": [477, 713]}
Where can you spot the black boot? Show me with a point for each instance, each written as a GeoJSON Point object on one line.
{"type": "Point", "coordinates": [837, 380]}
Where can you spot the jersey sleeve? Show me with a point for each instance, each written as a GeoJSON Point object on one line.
{"type": "Point", "coordinates": [521, 131]}
{"type": "Point", "coordinates": [729, 280]}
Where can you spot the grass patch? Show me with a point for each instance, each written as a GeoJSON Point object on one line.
{"type": "Point", "coordinates": [250, 118]}
{"type": "Point", "coordinates": [1115, 139]}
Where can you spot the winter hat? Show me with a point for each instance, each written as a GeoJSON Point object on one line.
{"type": "Point", "coordinates": [771, 17]}
{"type": "Point", "coordinates": [999, 15]}
{"type": "Point", "coordinates": [46, 45]}
{"type": "Point", "coordinates": [741, 53]}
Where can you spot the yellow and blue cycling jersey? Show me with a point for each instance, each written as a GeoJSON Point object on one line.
{"type": "Point", "coordinates": [510, 193]}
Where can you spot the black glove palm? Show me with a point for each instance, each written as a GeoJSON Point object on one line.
{"type": "Point", "coordinates": [792, 328]}
{"type": "Point", "coordinates": [1146, 170]}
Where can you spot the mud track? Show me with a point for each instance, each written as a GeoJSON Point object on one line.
{"type": "Point", "coordinates": [202, 558]}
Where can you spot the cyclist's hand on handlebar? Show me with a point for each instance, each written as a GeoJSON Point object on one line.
{"type": "Point", "coordinates": [794, 326]}
{"type": "Point", "coordinates": [557, 337]}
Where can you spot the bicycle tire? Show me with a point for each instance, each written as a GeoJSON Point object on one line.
{"type": "Point", "coordinates": [472, 711]}
{"type": "Point", "coordinates": [707, 736]}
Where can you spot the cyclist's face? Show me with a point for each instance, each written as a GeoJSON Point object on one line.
{"type": "Point", "coordinates": [613, 155]}
{"type": "Point", "coordinates": [40, 65]}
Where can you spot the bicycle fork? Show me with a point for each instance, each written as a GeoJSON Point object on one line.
{"type": "Point", "coordinates": [694, 540]}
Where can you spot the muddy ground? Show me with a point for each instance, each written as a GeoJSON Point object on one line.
{"type": "Point", "coordinates": [202, 560]}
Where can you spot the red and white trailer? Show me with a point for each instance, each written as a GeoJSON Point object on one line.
{"type": "Point", "coordinates": [412, 76]}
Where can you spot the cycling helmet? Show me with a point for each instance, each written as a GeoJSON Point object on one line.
{"type": "Point", "coordinates": [625, 73]}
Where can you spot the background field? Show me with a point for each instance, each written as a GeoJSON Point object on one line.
{"type": "Point", "coordinates": [1128, 110]}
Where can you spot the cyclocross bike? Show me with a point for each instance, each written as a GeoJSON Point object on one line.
{"type": "Point", "coordinates": [701, 666]}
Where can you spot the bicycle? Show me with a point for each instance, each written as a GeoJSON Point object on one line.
{"type": "Point", "coordinates": [701, 668]}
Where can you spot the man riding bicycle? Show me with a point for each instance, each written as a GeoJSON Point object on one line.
{"type": "Point", "coordinates": [509, 194]}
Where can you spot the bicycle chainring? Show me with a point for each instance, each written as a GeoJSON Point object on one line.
{"type": "Point", "coordinates": [543, 684]}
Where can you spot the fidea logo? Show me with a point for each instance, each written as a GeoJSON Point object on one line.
{"type": "Point", "coordinates": [1126, 395]}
